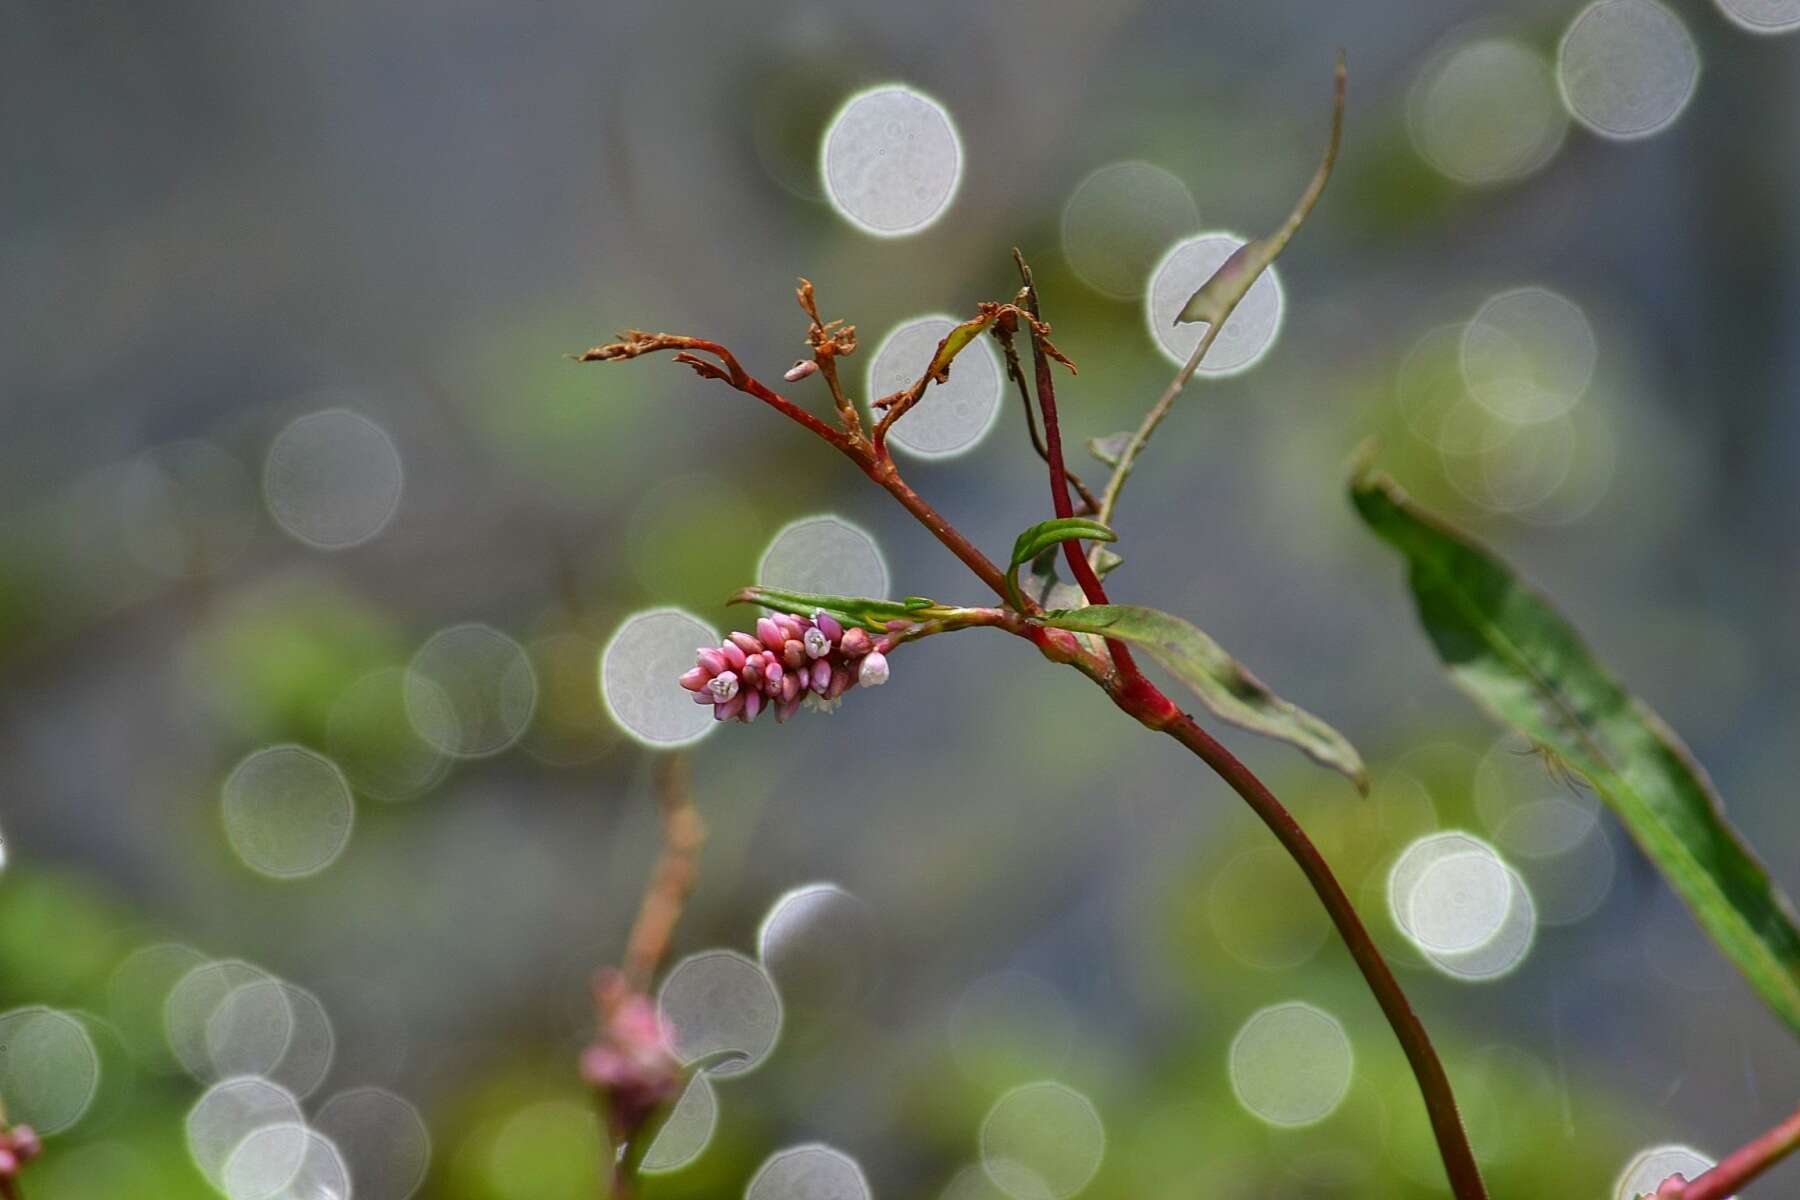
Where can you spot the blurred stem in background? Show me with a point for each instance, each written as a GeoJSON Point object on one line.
{"type": "Point", "coordinates": [631, 1066]}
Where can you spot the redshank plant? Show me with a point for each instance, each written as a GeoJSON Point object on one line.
{"type": "Point", "coordinates": [1509, 650]}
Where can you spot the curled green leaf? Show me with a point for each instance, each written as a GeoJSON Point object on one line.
{"type": "Point", "coordinates": [1518, 658]}
{"type": "Point", "coordinates": [1047, 535]}
{"type": "Point", "coordinates": [1227, 689]}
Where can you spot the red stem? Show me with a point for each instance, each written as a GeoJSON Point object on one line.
{"type": "Point", "coordinates": [1434, 1084]}
{"type": "Point", "coordinates": [1059, 478]}
{"type": "Point", "coordinates": [1742, 1165]}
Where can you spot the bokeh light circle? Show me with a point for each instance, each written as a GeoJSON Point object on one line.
{"type": "Point", "coordinates": [1647, 1170]}
{"type": "Point", "coordinates": [809, 1172]}
{"type": "Point", "coordinates": [333, 479]}
{"type": "Point", "coordinates": [1459, 901]}
{"type": "Point", "coordinates": [823, 554]}
{"type": "Point", "coordinates": [640, 669]}
{"type": "Point", "coordinates": [687, 1130]}
{"type": "Point", "coordinates": [891, 161]}
{"type": "Point", "coordinates": [382, 1138]}
{"type": "Point", "coordinates": [470, 691]}
{"type": "Point", "coordinates": [1627, 68]}
{"type": "Point", "coordinates": [1528, 354]}
{"type": "Point", "coordinates": [1249, 332]}
{"type": "Point", "coordinates": [722, 1008]}
{"type": "Point", "coordinates": [249, 1030]}
{"type": "Point", "coordinates": [952, 417]}
{"type": "Point", "coordinates": [49, 1068]}
{"type": "Point", "coordinates": [817, 944]}
{"type": "Point", "coordinates": [1762, 16]}
{"type": "Point", "coordinates": [1486, 112]}
{"type": "Point", "coordinates": [285, 1162]}
{"type": "Point", "coordinates": [1291, 1064]}
{"type": "Point", "coordinates": [1462, 905]}
{"type": "Point", "coordinates": [1042, 1139]}
{"type": "Point", "coordinates": [189, 1007]}
{"type": "Point", "coordinates": [288, 812]}
{"type": "Point", "coordinates": [1119, 220]}
{"type": "Point", "coordinates": [135, 993]}
{"type": "Point", "coordinates": [229, 1112]}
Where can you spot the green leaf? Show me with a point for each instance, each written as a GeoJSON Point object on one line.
{"type": "Point", "coordinates": [1109, 449]}
{"type": "Point", "coordinates": [1046, 535]}
{"type": "Point", "coordinates": [1520, 660]}
{"type": "Point", "coordinates": [872, 615]}
{"type": "Point", "coordinates": [954, 343]}
{"type": "Point", "coordinates": [1229, 691]}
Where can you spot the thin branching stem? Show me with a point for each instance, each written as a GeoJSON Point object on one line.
{"type": "Point", "coordinates": [1267, 252]}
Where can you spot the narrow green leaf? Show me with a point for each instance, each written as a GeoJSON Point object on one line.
{"type": "Point", "coordinates": [1229, 691]}
{"type": "Point", "coordinates": [1046, 535]}
{"type": "Point", "coordinates": [850, 610]}
{"type": "Point", "coordinates": [1520, 660]}
{"type": "Point", "coordinates": [1109, 449]}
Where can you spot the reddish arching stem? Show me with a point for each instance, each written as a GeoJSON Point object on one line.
{"type": "Point", "coordinates": [1742, 1165]}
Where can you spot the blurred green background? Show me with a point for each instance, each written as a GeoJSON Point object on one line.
{"type": "Point", "coordinates": [221, 218]}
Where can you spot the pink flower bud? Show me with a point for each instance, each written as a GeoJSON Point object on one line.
{"type": "Point", "coordinates": [773, 673]}
{"type": "Point", "coordinates": [731, 708]}
{"type": "Point", "coordinates": [723, 686]}
{"type": "Point", "coordinates": [695, 679]}
{"type": "Point", "coordinates": [818, 644]}
{"type": "Point", "coordinates": [25, 1143]}
{"type": "Point", "coordinates": [821, 676]}
{"type": "Point", "coordinates": [793, 654]}
{"type": "Point", "coordinates": [753, 670]}
{"type": "Point", "coordinates": [840, 683]}
{"type": "Point", "coordinates": [791, 626]}
{"type": "Point", "coordinates": [705, 696]}
{"type": "Point", "coordinates": [800, 370]}
{"type": "Point", "coordinates": [769, 632]}
{"type": "Point", "coordinates": [786, 709]}
{"type": "Point", "coordinates": [856, 642]}
{"type": "Point", "coordinates": [745, 642]}
{"type": "Point", "coordinates": [753, 704]}
{"type": "Point", "coordinates": [9, 1164]}
{"type": "Point", "coordinates": [791, 688]}
{"type": "Point", "coordinates": [874, 670]}
{"type": "Point", "coordinates": [712, 660]}
{"type": "Point", "coordinates": [828, 624]}
{"type": "Point", "coordinates": [734, 655]}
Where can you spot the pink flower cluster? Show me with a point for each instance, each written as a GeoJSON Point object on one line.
{"type": "Point", "coordinates": [631, 1065]}
{"type": "Point", "coordinates": [790, 660]}
{"type": "Point", "coordinates": [18, 1146]}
